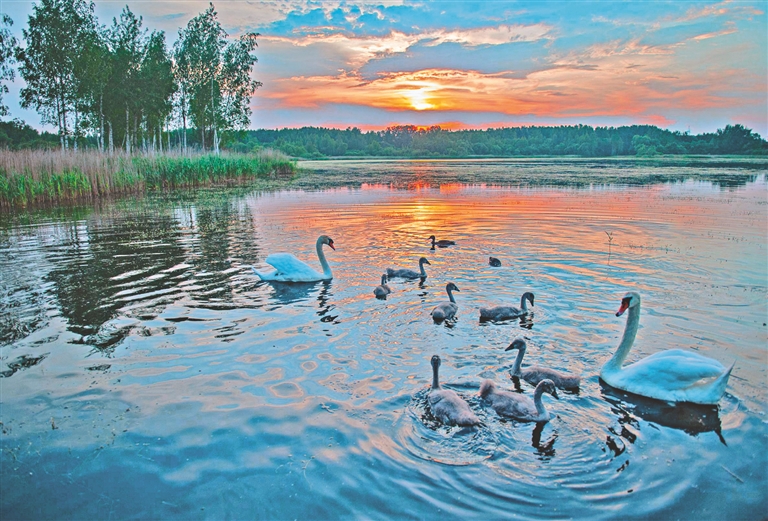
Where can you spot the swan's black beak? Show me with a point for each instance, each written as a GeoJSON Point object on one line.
{"type": "Point", "coordinates": [554, 394]}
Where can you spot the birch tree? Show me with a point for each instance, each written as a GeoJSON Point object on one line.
{"type": "Point", "coordinates": [54, 42]}
{"type": "Point", "coordinates": [214, 77]}
{"type": "Point", "coordinates": [7, 51]}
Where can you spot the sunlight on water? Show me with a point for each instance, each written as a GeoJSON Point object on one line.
{"type": "Point", "coordinates": [148, 373]}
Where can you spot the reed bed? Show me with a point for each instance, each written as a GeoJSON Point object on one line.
{"type": "Point", "coordinates": [49, 177]}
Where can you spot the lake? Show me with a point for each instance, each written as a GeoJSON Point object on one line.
{"type": "Point", "coordinates": [147, 373]}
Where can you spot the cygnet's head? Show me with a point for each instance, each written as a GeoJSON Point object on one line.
{"type": "Point", "coordinates": [517, 343]}
{"type": "Point", "coordinates": [452, 287]}
{"type": "Point", "coordinates": [548, 386]}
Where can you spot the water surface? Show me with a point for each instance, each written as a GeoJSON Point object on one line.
{"type": "Point", "coordinates": [147, 373]}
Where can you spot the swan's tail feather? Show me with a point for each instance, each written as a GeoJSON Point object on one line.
{"type": "Point", "coordinates": [486, 388]}
{"type": "Point", "coordinates": [722, 381]}
{"type": "Point", "coordinates": [259, 274]}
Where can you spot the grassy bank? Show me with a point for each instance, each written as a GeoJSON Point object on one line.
{"type": "Point", "coordinates": [40, 177]}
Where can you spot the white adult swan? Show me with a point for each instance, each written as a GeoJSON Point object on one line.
{"type": "Point", "coordinates": [533, 374]}
{"type": "Point", "coordinates": [673, 375]}
{"type": "Point", "coordinates": [516, 405]}
{"type": "Point", "coordinates": [446, 405]}
{"type": "Point", "coordinates": [383, 290]}
{"type": "Point", "coordinates": [290, 269]}
{"type": "Point", "coordinates": [409, 274]}
{"type": "Point", "coordinates": [507, 312]}
{"type": "Point", "coordinates": [446, 310]}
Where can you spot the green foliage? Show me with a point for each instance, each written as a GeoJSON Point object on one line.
{"type": "Point", "coordinates": [579, 140]}
{"type": "Point", "coordinates": [214, 77]}
{"type": "Point", "coordinates": [16, 135]}
{"type": "Point", "coordinates": [112, 175]}
{"type": "Point", "coordinates": [58, 36]}
{"type": "Point", "coordinates": [7, 50]}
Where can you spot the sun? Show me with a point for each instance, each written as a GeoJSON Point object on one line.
{"type": "Point", "coordinates": [418, 100]}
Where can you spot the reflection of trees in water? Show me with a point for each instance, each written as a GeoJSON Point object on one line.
{"type": "Point", "coordinates": [132, 248]}
{"type": "Point", "coordinates": [724, 173]}
{"type": "Point", "coordinates": [110, 267]}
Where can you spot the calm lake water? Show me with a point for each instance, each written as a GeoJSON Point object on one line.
{"type": "Point", "coordinates": [146, 373]}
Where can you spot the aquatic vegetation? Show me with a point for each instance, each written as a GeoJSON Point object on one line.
{"type": "Point", "coordinates": [51, 177]}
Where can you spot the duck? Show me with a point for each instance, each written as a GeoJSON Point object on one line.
{"type": "Point", "coordinates": [290, 269]}
{"type": "Point", "coordinates": [409, 274]}
{"type": "Point", "coordinates": [533, 374]}
{"type": "Point", "coordinates": [441, 243]}
{"type": "Point", "coordinates": [516, 405]}
{"type": "Point", "coordinates": [382, 290]}
{"type": "Point", "coordinates": [506, 312]}
{"type": "Point", "coordinates": [446, 310]}
{"type": "Point", "coordinates": [494, 262]}
{"type": "Point", "coordinates": [673, 375]}
{"type": "Point", "coordinates": [446, 405]}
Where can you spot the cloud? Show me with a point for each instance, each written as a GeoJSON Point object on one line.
{"type": "Point", "coordinates": [359, 50]}
{"type": "Point", "coordinates": [728, 8]}
{"type": "Point", "coordinates": [498, 35]}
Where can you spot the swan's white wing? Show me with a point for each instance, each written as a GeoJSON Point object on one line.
{"type": "Point", "coordinates": [693, 357]}
{"type": "Point", "coordinates": [669, 371]}
{"type": "Point", "coordinates": [290, 269]}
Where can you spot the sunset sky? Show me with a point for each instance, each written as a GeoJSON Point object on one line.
{"type": "Point", "coordinates": [683, 65]}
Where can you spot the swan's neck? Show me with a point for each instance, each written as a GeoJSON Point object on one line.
{"type": "Point", "coordinates": [540, 410]}
{"type": "Point", "coordinates": [630, 331]}
{"type": "Point", "coordinates": [435, 381]}
{"type": "Point", "coordinates": [323, 261]}
{"type": "Point", "coordinates": [421, 268]}
{"type": "Point", "coordinates": [518, 361]}
{"type": "Point", "coordinates": [450, 295]}
{"type": "Point", "coordinates": [523, 304]}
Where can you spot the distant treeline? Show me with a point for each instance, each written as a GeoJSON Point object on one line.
{"type": "Point", "coordinates": [435, 142]}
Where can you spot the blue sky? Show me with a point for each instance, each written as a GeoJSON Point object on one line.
{"type": "Point", "coordinates": [694, 66]}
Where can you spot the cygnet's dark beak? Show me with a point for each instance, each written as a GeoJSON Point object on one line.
{"type": "Point", "coordinates": [554, 394]}
{"type": "Point", "coordinates": [510, 347]}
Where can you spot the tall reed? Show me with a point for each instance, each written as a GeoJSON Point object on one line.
{"type": "Point", "coordinates": [40, 177]}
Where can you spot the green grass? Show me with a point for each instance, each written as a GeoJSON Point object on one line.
{"type": "Point", "coordinates": [34, 178]}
